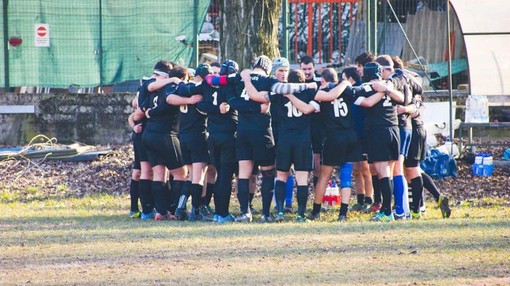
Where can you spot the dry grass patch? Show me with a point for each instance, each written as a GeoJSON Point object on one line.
{"type": "Point", "coordinates": [91, 241]}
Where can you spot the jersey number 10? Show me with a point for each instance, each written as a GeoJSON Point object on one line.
{"type": "Point", "coordinates": [292, 110]}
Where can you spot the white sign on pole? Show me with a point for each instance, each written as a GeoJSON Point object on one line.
{"type": "Point", "coordinates": [42, 35]}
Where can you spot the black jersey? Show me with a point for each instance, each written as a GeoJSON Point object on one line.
{"type": "Point", "coordinates": [383, 113]}
{"type": "Point", "coordinates": [316, 117]}
{"type": "Point", "coordinates": [144, 99]}
{"type": "Point", "coordinates": [210, 104]}
{"type": "Point", "coordinates": [163, 116]}
{"type": "Point", "coordinates": [408, 88]}
{"type": "Point", "coordinates": [417, 121]}
{"type": "Point", "coordinates": [191, 120]}
{"type": "Point", "coordinates": [249, 117]}
{"type": "Point", "coordinates": [293, 122]}
{"type": "Point", "coordinates": [144, 95]}
{"type": "Point", "coordinates": [337, 115]}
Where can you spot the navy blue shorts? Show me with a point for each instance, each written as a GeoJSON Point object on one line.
{"type": "Point", "coordinates": [405, 141]}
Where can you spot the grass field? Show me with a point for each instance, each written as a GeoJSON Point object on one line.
{"type": "Point", "coordinates": [90, 241]}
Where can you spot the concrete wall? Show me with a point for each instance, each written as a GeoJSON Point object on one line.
{"type": "Point", "coordinates": [86, 118]}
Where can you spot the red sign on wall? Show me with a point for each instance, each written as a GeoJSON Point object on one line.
{"type": "Point", "coordinates": [42, 35]}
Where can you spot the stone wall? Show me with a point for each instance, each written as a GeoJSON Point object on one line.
{"type": "Point", "coordinates": [93, 118]}
{"type": "Point", "coordinates": [86, 118]}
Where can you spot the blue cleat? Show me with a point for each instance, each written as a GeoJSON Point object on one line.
{"type": "Point", "coordinates": [382, 217]}
{"type": "Point", "coordinates": [150, 215]}
{"type": "Point", "coordinates": [227, 218]}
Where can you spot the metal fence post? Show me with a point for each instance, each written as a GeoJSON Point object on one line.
{"type": "Point", "coordinates": [194, 55]}
{"type": "Point", "coordinates": [285, 25]}
{"type": "Point", "coordinates": [6, 45]}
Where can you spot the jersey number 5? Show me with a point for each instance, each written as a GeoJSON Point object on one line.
{"type": "Point", "coordinates": [339, 107]}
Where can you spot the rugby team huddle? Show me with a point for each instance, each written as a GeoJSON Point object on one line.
{"type": "Point", "coordinates": [191, 138]}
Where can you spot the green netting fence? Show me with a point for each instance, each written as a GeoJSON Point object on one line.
{"type": "Point", "coordinates": [93, 43]}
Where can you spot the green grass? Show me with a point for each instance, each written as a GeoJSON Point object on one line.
{"type": "Point", "coordinates": [91, 241]}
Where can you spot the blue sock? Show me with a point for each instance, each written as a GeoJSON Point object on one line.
{"type": "Point", "coordinates": [289, 191]}
{"type": "Point", "coordinates": [398, 193]}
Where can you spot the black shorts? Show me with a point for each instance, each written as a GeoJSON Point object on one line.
{"type": "Point", "coordinates": [255, 145]}
{"type": "Point", "coordinates": [194, 149]}
{"type": "Point", "coordinates": [163, 149]}
{"type": "Point", "coordinates": [417, 148]}
{"type": "Point", "coordinates": [297, 152]}
{"type": "Point", "coordinates": [383, 144]}
{"type": "Point", "coordinates": [139, 151]}
{"type": "Point", "coordinates": [340, 147]}
{"type": "Point", "coordinates": [222, 148]}
{"type": "Point", "coordinates": [362, 146]}
{"type": "Point", "coordinates": [317, 133]}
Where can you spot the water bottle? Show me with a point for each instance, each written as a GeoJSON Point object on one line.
{"type": "Point", "coordinates": [327, 196]}
{"type": "Point", "coordinates": [448, 146]}
{"type": "Point", "coordinates": [335, 194]}
{"type": "Point", "coordinates": [488, 166]}
{"type": "Point", "coordinates": [478, 165]}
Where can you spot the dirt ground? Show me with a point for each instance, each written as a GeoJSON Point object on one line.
{"type": "Point", "coordinates": [24, 179]}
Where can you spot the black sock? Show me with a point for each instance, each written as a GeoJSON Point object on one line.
{"type": "Point", "coordinates": [422, 202]}
{"type": "Point", "coordinates": [196, 195]}
{"type": "Point", "coordinates": [343, 209]}
{"type": "Point", "coordinates": [279, 195]}
{"type": "Point", "coordinates": [315, 180]}
{"type": "Point", "coordinates": [360, 198]}
{"type": "Point", "coordinates": [146, 197]}
{"type": "Point", "coordinates": [416, 191]}
{"type": "Point", "coordinates": [429, 184]}
{"type": "Point", "coordinates": [316, 209]}
{"type": "Point", "coordinates": [183, 194]}
{"type": "Point", "coordinates": [134, 195]}
{"type": "Point", "coordinates": [159, 192]}
{"type": "Point", "coordinates": [223, 189]}
{"type": "Point", "coordinates": [377, 189]}
{"type": "Point", "coordinates": [252, 195]}
{"type": "Point", "coordinates": [209, 191]}
{"type": "Point", "coordinates": [243, 194]}
{"type": "Point", "coordinates": [175, 193]}
{"type": "Point", "coordinates": [386, 192]}
{"type": "Point", "coordinates": [302, 198]}
{"type": "Point", "coordinates": [266, 189]}
{"type": "Point", "coordinates": [368, 200]}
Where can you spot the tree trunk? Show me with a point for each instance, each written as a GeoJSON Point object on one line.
{"type": "Point", "coordinates": [249, 28]}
